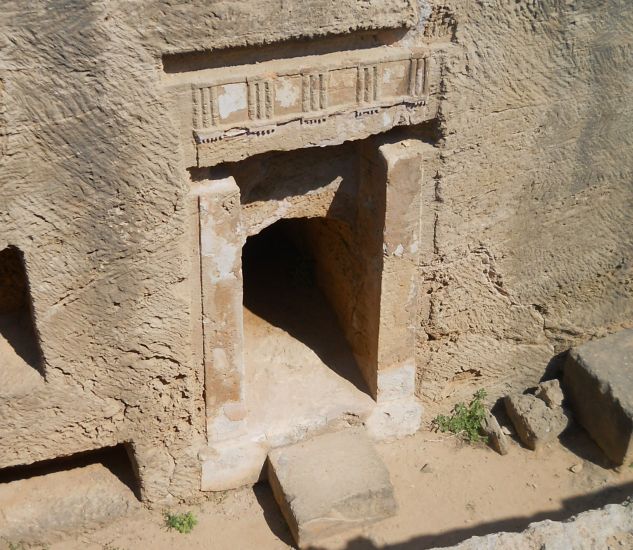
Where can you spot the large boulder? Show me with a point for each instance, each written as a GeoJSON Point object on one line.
{"type": "Point", "coordinates": [598, 381]}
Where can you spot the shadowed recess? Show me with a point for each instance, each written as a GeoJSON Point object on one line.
{"type": "Point", "coordinates": [18, 337]}
{"type": "Point", "coordinates": [210, 59]}
{"type": "Point", "coordinates": [280, 286]}
{"type": "Point", "coordinates": [116, 459]}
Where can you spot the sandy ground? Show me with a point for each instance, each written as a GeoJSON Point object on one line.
{"type": "Point", "coordinates": [447, 491]}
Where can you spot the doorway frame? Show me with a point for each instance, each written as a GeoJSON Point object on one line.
{"type": "Point", "coordinates": [389, 210]}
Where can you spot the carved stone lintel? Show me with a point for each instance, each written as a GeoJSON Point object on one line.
{"type": "Point", "coordinates": [253, 93]}
{"type": "Point", "coordinates": [369, 111]}
{"type": "Point", "coordinates": [208, 137]}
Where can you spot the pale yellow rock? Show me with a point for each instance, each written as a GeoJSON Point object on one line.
{"type": "Point", "coordinates": [469, 164]}
{"type": "Point", "coordinates": [329, 484]}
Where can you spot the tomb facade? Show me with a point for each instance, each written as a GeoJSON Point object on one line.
{"type": "Point", "coordinates": [228, 226]}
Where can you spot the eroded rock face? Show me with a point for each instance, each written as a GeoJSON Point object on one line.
{"type": "Point", "coordinates": [96, 178]}
{"type": "Point", "coordinates": [609, 527]}
{"type": "Point", "coordinates": [512, 282]}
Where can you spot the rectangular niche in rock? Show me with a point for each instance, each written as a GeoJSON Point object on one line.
{"type": "Point", "coordinates": [20, 355]}
{"type": "Point", "coordinates": [47, 500]}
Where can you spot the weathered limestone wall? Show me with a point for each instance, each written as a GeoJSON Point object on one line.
{"type": "Point", "coordinates": [534, 195]}
{"type": "Point", "coordinates": [532, 218]}
{"type": "Point", "coordinates": [93, 191]}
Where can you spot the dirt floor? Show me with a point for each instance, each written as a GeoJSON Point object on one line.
{"type": "Point", "coordinates": [447, 491]}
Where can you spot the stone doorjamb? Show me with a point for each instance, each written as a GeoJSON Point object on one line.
{"type": "Point", "coordinates": [389, 201]}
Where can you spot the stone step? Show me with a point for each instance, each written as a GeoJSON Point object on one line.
{"type": "Point", "coordinates": [598, 381]}
{"type": "Point", "coordinates": [331, 483]}
{"type": "Point", "coordinates": [45, 508]}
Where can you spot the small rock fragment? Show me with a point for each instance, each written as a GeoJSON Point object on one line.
{"type": "Point", "coordinates": [506, 430]}
{"type": "Point", "coordinates": [551, 393]}
{"type": "Point", "coordinates": [576, 468]}
{"type": "Point", "coordinates": [535, 423]}
{"type": "Point", "coordinates": [496, 438]}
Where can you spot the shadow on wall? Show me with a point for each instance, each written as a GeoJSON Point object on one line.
{"type": "Point", "coordinates": [17, 329]}
{"type": "Point", "coordinates": [280, 175]}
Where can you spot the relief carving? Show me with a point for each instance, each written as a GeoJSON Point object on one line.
{"type": "Point", "coordinates": [397, 78]}
{"type": "Point", "coordinates": [298, 102]}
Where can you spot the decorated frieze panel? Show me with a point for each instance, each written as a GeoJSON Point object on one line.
{"type": "Point", "coordinates": [304, 101]}
{"type": "Point", "coordinates": [305, 93]}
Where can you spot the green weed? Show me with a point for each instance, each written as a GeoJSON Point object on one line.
{"type": "Point", "coordinates": [183, 523]}
{"type": "Point", "coordinates": [465, 420]}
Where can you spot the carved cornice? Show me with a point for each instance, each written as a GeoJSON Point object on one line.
{"type": "Point", "coordinates": [305, 100]}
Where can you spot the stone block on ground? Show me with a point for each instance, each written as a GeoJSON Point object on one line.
{"type": "Point", "coordinates": [496, 438]}
{"type": "Point", "coordinates": [329, 484]}
{"type": "Point", "coordinates": [598, 381]}
{"type": "Point", "coordinates": [47, 507]}
{"type": "Point", "coordinates": [535, 423]}
{"type": "Point", "coordinates": [551, 393]}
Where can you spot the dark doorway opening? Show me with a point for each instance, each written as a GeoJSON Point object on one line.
{"type": "Point", "coordinates": [283, 271]}
{"type": "Point", "coordinates": [18, 337]}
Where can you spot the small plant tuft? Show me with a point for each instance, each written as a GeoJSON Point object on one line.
{"type": "Point", "coordinates": [183, 523]}
{"type": "Point", "coordinates": [465, 421]}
